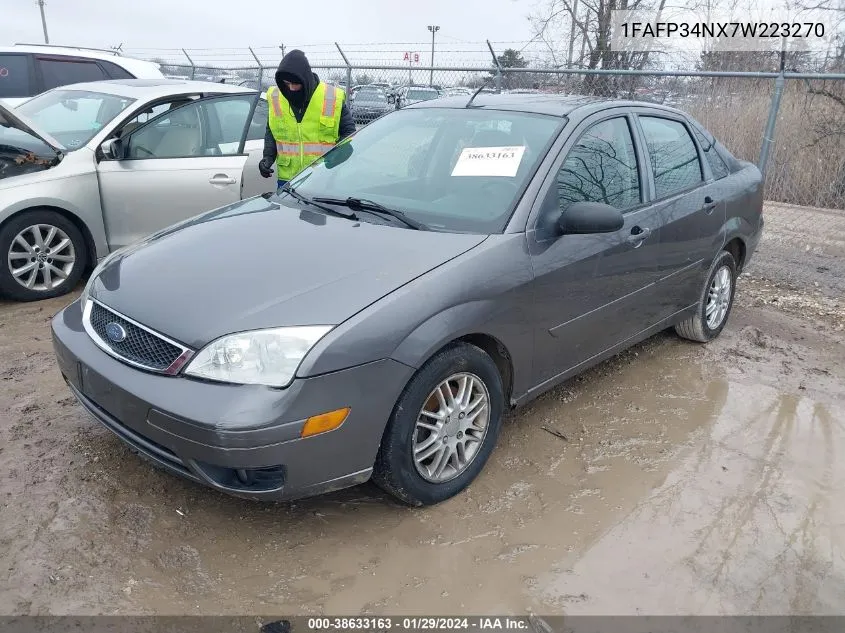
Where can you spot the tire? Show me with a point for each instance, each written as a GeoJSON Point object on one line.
{"type": "Point", "coordinates": [397, 472]}
{"type": "Point", "coordinates": [14, 255]}
{"type": "Point", "coordinates": [697, 327]}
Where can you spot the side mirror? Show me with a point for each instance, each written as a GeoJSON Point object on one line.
{"type": "Point", "coordinates": [581, 218]}
{"type": "Point", "coordinates": [391, 99]}
{"type": "Point", "coordinates": [113, 149]}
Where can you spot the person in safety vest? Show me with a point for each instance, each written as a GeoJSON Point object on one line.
{"type": "Point", "coordinates": [307, 117]}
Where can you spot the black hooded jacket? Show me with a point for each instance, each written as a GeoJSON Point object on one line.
{"type": "Point", "coordinates": [295, 68]}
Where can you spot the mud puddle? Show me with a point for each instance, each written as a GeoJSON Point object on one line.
{"type": "Point", "coordinates": [675, 478]}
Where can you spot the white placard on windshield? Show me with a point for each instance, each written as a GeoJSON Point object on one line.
{"type": "Point", "coordinates": [489, 161]}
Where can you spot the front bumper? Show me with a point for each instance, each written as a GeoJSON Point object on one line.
{"type": "Point", "coordinates": [243, 440]}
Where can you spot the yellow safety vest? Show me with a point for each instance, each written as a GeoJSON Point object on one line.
{"type": "Point", "coordinates": [298, 144]}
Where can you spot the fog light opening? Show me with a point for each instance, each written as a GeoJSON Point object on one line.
{"type": "Point", "coordinates": [324, 422]}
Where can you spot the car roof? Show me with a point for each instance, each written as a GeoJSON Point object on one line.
{"type": "Point", "coordinates": [154, 88]}
{"type": "Point", "coordinates": [550, 104]}
{"type": "Point", "coordinates": [138, 67]}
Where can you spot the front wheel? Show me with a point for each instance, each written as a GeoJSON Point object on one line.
{"type": "Point", "coordinates": [443, 428]}
{"type": "Point", "coordinates": [715, 304]}
{"type": "Point", "coordinates": [43, 255]}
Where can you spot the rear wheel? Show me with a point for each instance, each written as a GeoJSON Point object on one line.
{"type": "Point", "coordinates": [715, 304]}
{"type": "Point", "coordinates": [43, 255]}
{"type": "Point", "coordinates": [443, 428]}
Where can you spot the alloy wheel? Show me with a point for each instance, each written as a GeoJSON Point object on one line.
{"type": "Point", "coordinates": [718, 297]}
{"type": "Point", "coordinates": [41, 257]}
{"type": "Point", "coordinates": [451, 427]}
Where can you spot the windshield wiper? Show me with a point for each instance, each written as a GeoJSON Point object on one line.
{"type": "Point", "coordinates": [375, 207]}
{"type": "Point", "coordinates": [315, 203]}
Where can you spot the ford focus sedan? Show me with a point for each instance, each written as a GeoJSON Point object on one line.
{"type": "Point", "coordinates": [377, 317]}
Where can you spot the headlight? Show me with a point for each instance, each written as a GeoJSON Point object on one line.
{"type": "Point", "coordinates": [261, 357]}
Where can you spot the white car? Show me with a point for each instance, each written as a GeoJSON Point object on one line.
{"type": "Point", "coordinates": [30, 69]}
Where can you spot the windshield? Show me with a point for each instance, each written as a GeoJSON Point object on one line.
{"type": "Point", "coordinates": [452, 170]}
{"type": "Point", "coordinates": [422, 95]}
{"type": "Point", "coordinates": [73, 117]}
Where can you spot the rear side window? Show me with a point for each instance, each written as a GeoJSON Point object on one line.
{"type": "Point", "coordinates": [115, 71]}
{"type": "Point", "coordinates": [714, 159]}
{"type": "Point", "coordinates": [258, 124]}
{"type": "Point", "coordinates": [673, 156]}
{"type": "Point", "coordinates": [60, 72]}
{"type": "Point", "coordinates": [14, 76]}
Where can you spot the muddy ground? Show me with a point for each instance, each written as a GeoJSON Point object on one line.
{"type": "Point", "coordinates": [678, 479]}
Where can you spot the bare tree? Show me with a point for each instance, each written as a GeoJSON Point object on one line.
{"type": "Point", "coordinates": [588, 23]}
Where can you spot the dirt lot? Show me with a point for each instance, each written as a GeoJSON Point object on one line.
{"type": "Point", "coordinates": [691, 480]}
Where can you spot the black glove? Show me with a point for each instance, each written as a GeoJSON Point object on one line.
{"type": "Point", "coordinates": [266, 167]}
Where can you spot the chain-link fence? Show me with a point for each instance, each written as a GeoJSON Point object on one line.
{"type": "Point", "coordinates": [791, 124]}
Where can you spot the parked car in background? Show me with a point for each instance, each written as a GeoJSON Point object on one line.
{"type": "Point", "coordinates": [369, 104]}
{"type": "Point", "coordinates": [457, 91]}
{"type": "Point", "coordinates": [29, 69]}
{"type": "Point", "coordinates": [89, 168]}
{"type": "Point", "coordinates": [538, 236]}
{"type": "Point", "coordinates": [415, 94]}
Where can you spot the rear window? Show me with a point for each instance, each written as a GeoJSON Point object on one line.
{"type": "Point", "coordinates": [115, 71]}
{"type": "Point", "coordinates": [14, 76]}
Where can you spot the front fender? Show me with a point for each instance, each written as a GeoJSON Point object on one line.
{"type": "Point", "coordinates": [484, 291]}
{"type": "Point", "coordinates": [70, 188]}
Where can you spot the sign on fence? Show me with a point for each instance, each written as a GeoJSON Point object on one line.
{"type": "Point", "coordinates": [411, 58]}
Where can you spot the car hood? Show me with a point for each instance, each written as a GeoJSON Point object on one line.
{"type": "Point", "coordinates": [260, 264]}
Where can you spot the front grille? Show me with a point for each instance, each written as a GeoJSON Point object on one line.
{"type": "Point", "coordinates": [140, 346]}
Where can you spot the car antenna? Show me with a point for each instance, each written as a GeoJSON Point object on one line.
{"type": "Point", "coordinates": [476, 93]}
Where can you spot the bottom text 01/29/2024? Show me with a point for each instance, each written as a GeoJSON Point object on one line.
{"type": "Point", "coordinates": [416, 623]}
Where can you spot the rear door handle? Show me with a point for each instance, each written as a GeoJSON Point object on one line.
{"type": "Point", "coordinates": [709, 205]}
{"type": "Point", "coordinates": [222, 179]}
{"type": "Point", "coordinates": [638, 236]}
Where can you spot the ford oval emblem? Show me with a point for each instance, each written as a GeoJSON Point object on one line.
{"type": "Point", "coordinates": [116, 332]}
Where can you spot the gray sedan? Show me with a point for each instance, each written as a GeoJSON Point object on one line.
{"type": "Point", "coordinates": [377, 317]}
{"type": "Point", "coordinates": [89, 168]}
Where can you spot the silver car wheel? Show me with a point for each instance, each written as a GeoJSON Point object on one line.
{"type": "Point", "coordinates": [41, 257]}
{"type": "Point", "coordinates": [718, 297]}
{"type": "Point", "coordinates": [451, 427]}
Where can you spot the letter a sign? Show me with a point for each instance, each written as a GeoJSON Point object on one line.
{"type": "Point", "coordinates": [411, 58]}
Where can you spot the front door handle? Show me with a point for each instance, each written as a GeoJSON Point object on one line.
{"type": "Point", "coordinates": [222, 179]}
{"type": "Point", "coordinates": [709, 205]}
{"type": "Point", "coordinates": [638, 236]}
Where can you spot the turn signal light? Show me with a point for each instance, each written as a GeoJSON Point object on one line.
{"type": "Point", "coordinates": [324, 422]}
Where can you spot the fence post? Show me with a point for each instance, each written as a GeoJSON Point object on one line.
{"type": "Point", "coordinates": [348, 69]}
{"type": "Point", "coordinates": [260, 69]}
{"type": "Point", "coordinates": [498, 67]}
{"type": "Point", "coordinates": [193, 67]}
{"type": "Point", "coordinates": [769, 133]}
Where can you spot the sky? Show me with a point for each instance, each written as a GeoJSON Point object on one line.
{"type": "Point", "coordinates": [143, 25]}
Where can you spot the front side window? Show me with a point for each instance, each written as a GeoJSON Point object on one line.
{"type": "Point", "coordinates": [602, 167]}
{"type": "Point", "coordinates": [674, 159]}
{"type": "Point", "coordinates": [451, 169]}
{"type": "Point", "coordinates": [73, 117]}
{"type": "Point", "coordinates": [201, 128]}
{"type": "Point", "coordinates": [56, 72]}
